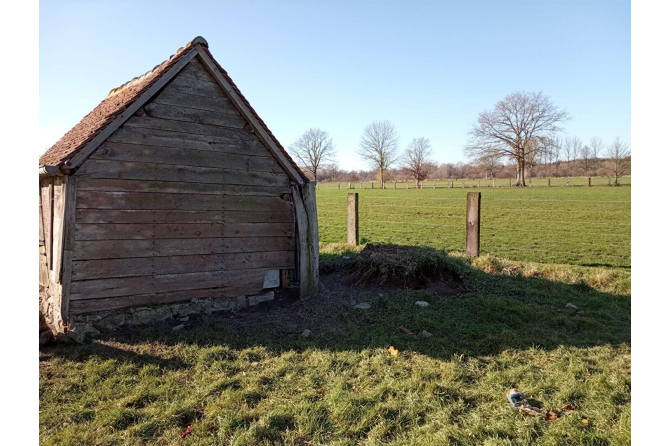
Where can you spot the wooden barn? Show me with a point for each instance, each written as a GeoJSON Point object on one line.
{"type": "Point", "coordinates": [172, 190]}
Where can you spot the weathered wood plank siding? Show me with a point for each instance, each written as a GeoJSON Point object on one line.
{"type": "Point", "coordinates": [179, 203]}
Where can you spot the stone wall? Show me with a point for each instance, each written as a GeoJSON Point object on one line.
{"type": "Point", "coordinates": [91, 325]}
{"type": "Point", "coordinates": [50, 319]}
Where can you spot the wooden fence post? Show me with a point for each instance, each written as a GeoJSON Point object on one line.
{"type": "Point", "coordinates": [568, 182]}
{"type": "Point", "coordinates": [352, 219]}
{"type": "Point", "coordinates": [372, 183]}
{"type": "Point", "coordinates": [394, 184]}
{"type": "Point", "coordinates": [474, 200]}
{"type": "Point", "coordinates": [494, 183]}
{"type": "Point", "coordinates": [589, 181]}
{"type": "Point", "coordinates": [609, 181]}
{"type": "Point", "coordinates": [479, 184]}
{"type": "Point", "coordinates": [510, 182]}
{"type": "Point", "coordinates": [530, 182]}
{"type": "Point", "coordinates": [549, 182]}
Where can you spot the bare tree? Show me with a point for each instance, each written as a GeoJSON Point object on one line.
{"type": "Point", "coordinates": [312, 149]}
{"type": "Point", "coordinates": [618, 162]}
{"type": "Point", "coordinates": [597, 146]}
{"type": "Point", "coordinates": [379, 146]}
{"type": "Point", "coordinates": [491, 164]}
{"type": "Point", "coordinates": [585, 154]}
{"type": "Point", "coordinates": [415, 159]}
{"type": "Point", "coordinates": [509, 129]}
{"type": "Point", "coordinates": [572, 146]}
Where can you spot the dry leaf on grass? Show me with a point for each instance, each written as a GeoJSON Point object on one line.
{"type": "Point", "coordinates": [393, 351]}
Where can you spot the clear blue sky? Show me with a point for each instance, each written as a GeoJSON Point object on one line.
{"type": "Point", "coordinates": [429, 67]}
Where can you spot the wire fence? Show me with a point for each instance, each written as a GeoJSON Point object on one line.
{"type": "Point", "coordinates": [593, 231]}
{"type": "Point", "coordinates": [478, 183]}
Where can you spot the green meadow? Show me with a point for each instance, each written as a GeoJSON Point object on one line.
{"type": "Point", "coordinates": [574, 225]}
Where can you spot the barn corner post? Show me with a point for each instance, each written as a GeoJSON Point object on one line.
{"type": "Point", "coordinates": [304, 197]}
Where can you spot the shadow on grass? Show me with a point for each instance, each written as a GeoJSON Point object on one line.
{"type": "Point", "coordinates": [496, 312]}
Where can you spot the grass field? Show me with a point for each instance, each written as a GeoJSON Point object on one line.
{"type": "Point", "coordinates": [250, 378]}
{"type": "Point", "coordinates": [575, 225]}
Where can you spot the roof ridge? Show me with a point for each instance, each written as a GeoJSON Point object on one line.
{"type": "Point", "coordinates": [199, 40]}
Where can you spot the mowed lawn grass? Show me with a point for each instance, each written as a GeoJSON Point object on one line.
{"type": "Point", "coordinates": [566, 225]}
{"type": "Point", "coordinates": [252, 379]}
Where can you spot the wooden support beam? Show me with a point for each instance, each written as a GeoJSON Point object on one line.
{"type": "Point", "coordinates": [352, 219]}
{"type": "Point", "coordinates": [472, 223]}
{"type": "Point", "coordinates": [304, 197]}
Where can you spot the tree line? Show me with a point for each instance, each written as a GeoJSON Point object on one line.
{"type": "Point", "coordinates": [521, 138]}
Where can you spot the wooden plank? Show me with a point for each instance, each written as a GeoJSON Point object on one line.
{"type": "Point", "coordinates": [135, 216]}
{"type": "Point", "coordinates": [249, 116]}
{"type": "Point", "coordinates": [248, 145]}
{"type": "Point", "coordinates": [194, 115]}
{"type": "Point", "coordinates": [309, 200]}
{"type": "Point", "coordinates": [66, 287]}
{"type": "Point", "coordinates": [472, 223]}
{"type": "Point", "coordinates": [172, 187]}
{"type": "Point", "coordinates": [178, 202]}
{"type": "Point", "coordinates": [84, 153]}
{"type": "Point", "coordinates": [117, 303]}
{"type": "Point", "coordinates": [196, 230]}
{"type": "Point", "coordinates": [308, 238]}
{"type": "Point", "coordinates": [44, 271]}
{"type": "Point", "coordinates": [124, 170]}
{"type": "Point", "coordinates": [115, 151]}
{"type": "Point", "coordinates": [191, 128]}
{"type": "Point", "coordinates": [108, 268]}
{"type": "Point", "coordinates": [196, 70]}
{"type": "Point", "coordinates": [215, 104]}
{"type": "Point", "coordinates": [58, 218]}
{"type": "Point", "coordinates": [114, 249]}
{"type": "Point", "coordinates": [199, 87]}
{"type": "Point", "coordinates": [128, 286]}
{"type": "Point", "coordinates": [69, 211]}
{"type": "Point", "coordinates": [46, 190]}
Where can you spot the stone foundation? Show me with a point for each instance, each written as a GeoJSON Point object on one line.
{"type": "Point", "coordinates": [50, 318]}
{"type": "Point", "coordinates": [91, 325]}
